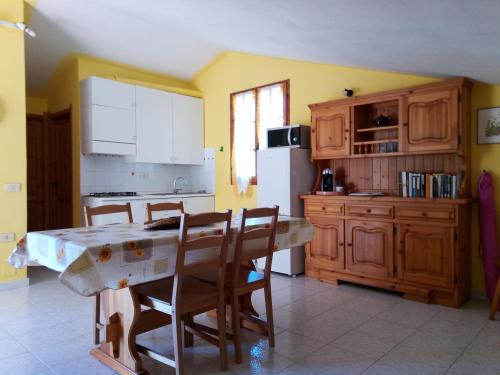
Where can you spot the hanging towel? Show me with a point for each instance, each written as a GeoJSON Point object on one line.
{"type": "Point", "coordinates": [488, 234]}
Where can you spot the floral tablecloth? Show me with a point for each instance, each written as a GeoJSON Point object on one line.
{"type": "Point", "coordinates": [119, 255]}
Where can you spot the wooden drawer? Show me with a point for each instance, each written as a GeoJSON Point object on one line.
{"type": "Point", "coordinates": [442, 214]}
{"type": "Point", "coordinates": [369, 211]}
{"type": "Point", "coordinates": [322, 207]}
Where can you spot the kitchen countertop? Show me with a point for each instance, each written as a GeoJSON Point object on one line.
{"type": "Point", "coordinates": [144, 196]}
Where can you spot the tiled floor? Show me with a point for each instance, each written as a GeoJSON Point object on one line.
{"type": "Point", "coordinates": [321, 329]}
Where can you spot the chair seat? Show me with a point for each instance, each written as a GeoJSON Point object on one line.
{"type": "Point", "coordinates": [246, 280]}
{"type": "Point", "coordinates": [196, 294]}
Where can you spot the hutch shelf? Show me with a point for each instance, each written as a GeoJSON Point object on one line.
{"type": "Point", "coordinates": [417, 246]}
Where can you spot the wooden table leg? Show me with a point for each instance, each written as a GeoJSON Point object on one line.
{"type": "Point", "coordinates": [117, 350]}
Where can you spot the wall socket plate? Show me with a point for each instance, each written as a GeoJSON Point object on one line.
{"type": "Point", "coordinates": [12, 187]}
{"type": "Point", "coordinates": [7, 237]}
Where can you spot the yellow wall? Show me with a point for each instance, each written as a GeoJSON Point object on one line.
{"type": "Point", "coordinates": [36, 105]}
{"type": "Point", "coordinates": [484, 157]}
{"type": "Point", "coordinates": [63, 90]}
{"type": "Point", "coordinates": [12, 134]}
{"type": "Point", "coordinates": [309, 83]}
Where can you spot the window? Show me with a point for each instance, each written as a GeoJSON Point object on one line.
{"type": "Point", "coordinates": [254, 111]}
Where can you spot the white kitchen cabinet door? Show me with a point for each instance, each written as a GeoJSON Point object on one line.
{"type": "Point", "coordinates": [196, 205]}
{"type": "Point", "coordinates": [154, 125]}
{"type": "Point", "coordinates": [111, 124]}
{"type": "Point", "coordinates": [188, 132]}
{"type": "Point", "coordinates": [107, 92]}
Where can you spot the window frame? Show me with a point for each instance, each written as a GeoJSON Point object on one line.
{"type": "Point", "coordinates": [286, 119]}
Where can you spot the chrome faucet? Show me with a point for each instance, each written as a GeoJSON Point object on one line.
{"type": "Point", "coordinates": [176, 190]}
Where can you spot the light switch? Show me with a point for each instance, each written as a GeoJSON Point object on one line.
{"type": "Point", "coordinates": [7, 237]}
{"type": "Point", "coordinates": [12, 187]}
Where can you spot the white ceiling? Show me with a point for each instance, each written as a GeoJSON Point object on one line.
{"type": "Point", "coordinates": [179, 37]}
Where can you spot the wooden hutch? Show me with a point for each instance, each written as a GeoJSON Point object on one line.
{"type": "Point", "coordinates": [417, 246]}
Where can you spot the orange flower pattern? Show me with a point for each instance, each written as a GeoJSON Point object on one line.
{"type": "Point", "coordinates": [123, 283]}
{"type": "Point", "coordinates": [105, 253]}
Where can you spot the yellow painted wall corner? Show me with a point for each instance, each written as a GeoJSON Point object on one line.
{"type": "Point", "coordinates": [12, 135]}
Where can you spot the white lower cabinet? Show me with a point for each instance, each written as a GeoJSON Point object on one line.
{"type": "Point", "coordinates": [196, 205]}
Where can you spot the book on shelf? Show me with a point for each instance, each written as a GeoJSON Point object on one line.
{"type": "Point", "coordinates": [429, 185]}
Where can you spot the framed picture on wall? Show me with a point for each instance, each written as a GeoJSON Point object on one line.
{"type": "Point", "coordinates": [488, 125]}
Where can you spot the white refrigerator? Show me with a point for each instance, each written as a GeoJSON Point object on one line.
{"type": "Point", "coordinates": [283, 174]}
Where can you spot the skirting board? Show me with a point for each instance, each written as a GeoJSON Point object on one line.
{"type": "Point", "coordinates": [15, 284]}
{"type": "Point", "coordinates": [479, 295]}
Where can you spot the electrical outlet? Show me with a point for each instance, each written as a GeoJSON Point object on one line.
{"type": "Point", "coordinates": [7, 237]}
{"type": "Point", "coordinates": [12, 187]}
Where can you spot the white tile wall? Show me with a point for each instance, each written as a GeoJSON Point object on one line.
{"type": "Point", "coordinates": [104, 173]}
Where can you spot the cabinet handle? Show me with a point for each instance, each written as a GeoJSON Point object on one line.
{"type": "Point", "coordinates": [368, 210]}
{"type": "Point", "coordinates": [323, 208]}
{"type": "Point", "coordinates": [424, 214]}
{"type": "Point", "coordinates": [349, 244]}
{"type": "Point", "coordinates": [341, 244]}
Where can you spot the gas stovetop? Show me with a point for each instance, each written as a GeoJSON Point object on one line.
{"type": "Point", "coordinates": [113, 194]}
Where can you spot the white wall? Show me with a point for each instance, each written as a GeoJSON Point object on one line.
{"type": "Point", "coordinates": [104, 173]}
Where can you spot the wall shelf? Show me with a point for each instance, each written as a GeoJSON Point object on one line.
{"type": "Point", "coordinates": [377, 129]}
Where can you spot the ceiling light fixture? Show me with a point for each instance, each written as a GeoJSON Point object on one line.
{"type": "Point", "coordinates": [19, 25]}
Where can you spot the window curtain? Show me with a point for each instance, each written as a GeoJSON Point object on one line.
{"type": "Point", "coordinates": [270, 111]}
{"type": "Point", "coordinates": [244, 139]}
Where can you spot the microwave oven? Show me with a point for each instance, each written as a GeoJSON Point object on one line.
{"type": "Point", "coordinates": [298, 136]}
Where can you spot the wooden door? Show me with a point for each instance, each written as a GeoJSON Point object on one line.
{"type": "Point", "coordinates": [432, 121]}
{"type": "Point", "coordinates": [426, 254]}
{"type": "Point", "coordinates": [58, 170]}
{"type": "Point", "coordinates": [326, 249]}
{"type": "Point", "coordinates": [35, 172]}
{"type": "Point", "coordinates": [369, 248]}
{"type": "Point", "coordinates": [330, 132]}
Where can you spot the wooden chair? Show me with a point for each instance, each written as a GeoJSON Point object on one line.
{"type": "Point", "coordinates": [242, 281]}
{"type": "Point", "coordinates": [182, 296]}
{"type": "Point", "coordinates": [496, 297]}
{"type": "Point", "coordinates": [150, 208]}
{"type": "Point", "coordinates": [90, 212]}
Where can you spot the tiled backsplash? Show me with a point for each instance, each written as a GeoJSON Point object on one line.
{"type": "Point", "coordinates": [103, 173]}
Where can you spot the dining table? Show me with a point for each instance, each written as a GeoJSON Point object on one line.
{"type": "Point", "coordinates": [108, 260]}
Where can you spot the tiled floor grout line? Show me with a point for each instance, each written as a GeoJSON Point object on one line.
{"type": "Point", "coordinates": [463, 351]}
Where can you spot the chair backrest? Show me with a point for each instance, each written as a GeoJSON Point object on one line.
{"type": "Point", "coordinates": [150, 208]}
{"type": "Point", "coordinates": [90, 212]}
{"type": "Point", "coordinates": [262, 235]}
{"type": "Point", "coordinates": [210, 250]}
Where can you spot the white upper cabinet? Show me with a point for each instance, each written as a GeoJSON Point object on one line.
{"type": "Point", "coordinates": [107, 117]}
{"type": "Point", "coordinates": [187, 130]}
{"type": "Point", "coordinates": [154, 125]}
{"type": "Point", "coordinates": [169, 127]}
{"type": "Point", "coordinates": [106, 92]}
{"type": "Point", "coordinates": [150, 125]}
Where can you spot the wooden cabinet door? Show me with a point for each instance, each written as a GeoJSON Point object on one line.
{"type": "Point", "coordinates": [432, 121]}
{"type": "Point", "coordinates": [330, 132]}
{"type": "Point", "coordinates": [426, 254]}
{"type": "Point", "coordinates": [369, 248]}
{"type": "Point", "coordinates": [326, 249]}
